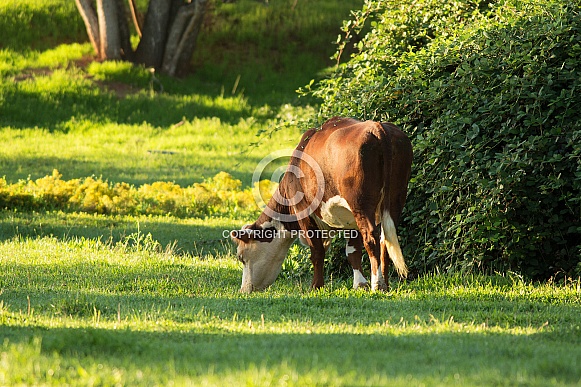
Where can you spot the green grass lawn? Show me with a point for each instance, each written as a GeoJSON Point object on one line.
{"type": "Point", "coordinates": [101, 299]}
{"type": "Point", "coordinates": [81, 122]}
{"type": "Point", "coordinates": [85, 312]}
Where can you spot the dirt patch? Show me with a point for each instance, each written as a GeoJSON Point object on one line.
{"type": "Point", "coordinates": [121, 90]}
{"type": "Point", "coordinates": [33, 73]}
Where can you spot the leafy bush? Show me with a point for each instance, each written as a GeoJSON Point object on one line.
{"type": "Point", "coordinates": [489, 93]}
{"type": "Point", "coordinates": [220, 195]}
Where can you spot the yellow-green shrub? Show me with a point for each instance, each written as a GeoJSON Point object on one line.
{"type": "Point", "coordinates": [52, 189]}
{"type": "Point", "coordinates": [219, 195]}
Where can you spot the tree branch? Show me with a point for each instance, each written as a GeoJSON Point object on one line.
{"type": "Point", "coordinates": [89, 16]}
{"type": "Point", "coordinates": [137, 18]}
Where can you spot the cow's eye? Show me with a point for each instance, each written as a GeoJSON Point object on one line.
{"type": "Point", "coordinates": [240, 258]}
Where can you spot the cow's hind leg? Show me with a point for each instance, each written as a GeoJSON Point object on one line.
{"type": "Point", "coordinates": [353, 251]}
{"type": "Point", "coordinates": [370, 235]}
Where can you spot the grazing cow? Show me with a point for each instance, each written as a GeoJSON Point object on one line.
{"type": "Point", "coordinates": [345, 175]}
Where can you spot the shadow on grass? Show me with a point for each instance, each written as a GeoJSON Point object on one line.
{"type": "Point", "coordinates": [195, 350]}
{"type": "Point", "coordinates": [469, 357]}
{"type": "Point", "coordinates": [194, 237]}
{"type": "Point", "coordinates": [86, 102]}
{"type": "Point", "coordinates": [146, 168]}
{"type": "Point", "coordinates": [190, 318]}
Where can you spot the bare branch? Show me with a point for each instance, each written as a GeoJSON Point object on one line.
{"type": "Point", "coordinates": [136, 16]}
{"type": "Point", "coordinates": [89, 16]}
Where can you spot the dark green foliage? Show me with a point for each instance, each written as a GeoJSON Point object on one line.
{"type": "Point", "coordinates": [299, 266]}
{"type": "Point", "coordinates": [490, 96]}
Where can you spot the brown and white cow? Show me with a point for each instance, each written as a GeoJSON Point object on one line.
{"type": "Point", "coordinates": [348, 175]}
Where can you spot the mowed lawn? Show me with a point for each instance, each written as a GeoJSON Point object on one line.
{"type": "Point", "coordinates": [101, 299]}
{"type": "Point", "coordinates": [86, 312]}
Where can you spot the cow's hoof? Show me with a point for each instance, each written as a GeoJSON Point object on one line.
{"type": "Point", "coordinates": [362, 285]}
{"type": "Point", "coordinates": [382, 287]}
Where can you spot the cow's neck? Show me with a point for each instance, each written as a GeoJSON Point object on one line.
{"type": "Point", "coordinates": [279, 211]}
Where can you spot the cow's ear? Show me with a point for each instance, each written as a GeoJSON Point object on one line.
{"type": "Point", "coordinates": [243, 235]}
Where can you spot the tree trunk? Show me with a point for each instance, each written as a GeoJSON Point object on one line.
{"type": "Point", "coordinates": [109, 29]}
{"type": "Point", "coordinates": [152, 45]}
{"type": "Point", "coordinates": [190, 38]}
{"type": "Point", "coordinates": [89, 16]}
{"type": "Point", "coordinates": [168, 34]}
{"type": "Point", "coordinates": [124, 33]}
{"type": "Point", "coordinates": [182, 38]}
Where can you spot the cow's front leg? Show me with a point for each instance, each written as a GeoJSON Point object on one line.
{"type": "Point", "coordinates": [318, 260]}
{"type": "Point", "coordinates": [312, 238]}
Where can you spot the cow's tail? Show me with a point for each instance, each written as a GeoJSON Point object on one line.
{"type": "Point", "coordinates": [397, 148]}
{"type": "Point", "coordinates": [390, 245]}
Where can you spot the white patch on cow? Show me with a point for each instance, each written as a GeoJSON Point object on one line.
{"type": "Point", "coordinates": [320, 223]}
{"type": "Point", "coordinates": [389, 238]}
{"type": "Point", "coordinates": [336, 213]}
{"type": "Point", "coordinates": [246, 280]}
{"type": "Point", "coordinates": [380, 275]}
{"type": "Point", "coordinates": [358, 279]}
{"type": "Point", "coordinates": [377, 280]}
{"type": "Point", "coordinates": [374, 283]}
{"type": "Point", "coordinates": [349, 250]}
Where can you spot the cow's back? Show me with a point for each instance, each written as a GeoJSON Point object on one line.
{"type": "Point", "coordinates": [369, 162]}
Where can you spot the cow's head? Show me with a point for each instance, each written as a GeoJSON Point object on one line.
{"type": "Point", "coordinates": [262, 249]}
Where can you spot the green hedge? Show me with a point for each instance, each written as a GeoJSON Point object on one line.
{"type": "Point", "coordinates": [490, 94]}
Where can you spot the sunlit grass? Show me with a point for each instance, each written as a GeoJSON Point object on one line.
{"type": "Point", "coordinates": [89, 299]}
{"type": "Point", "coordinates": [186, 152]}
{"type": "Point", "coordinates": [111, 120]}
{"type": "Point", "coordinates": [82, 310]}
